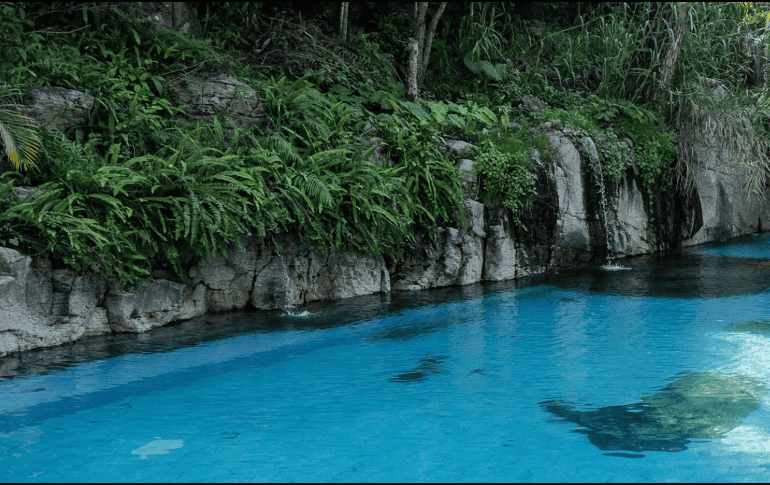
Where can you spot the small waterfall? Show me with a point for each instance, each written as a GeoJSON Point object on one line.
{"type": "Point", "coordinates": [599, 178]}
{"type": "Point", "coordinates": [287, 307]}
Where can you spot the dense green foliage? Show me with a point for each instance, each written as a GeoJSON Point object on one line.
{"type": "Point", "coordinates": [133, 187]}
{"type": "Point", "coordinates": [507, 173]}
{"type": "Point", "coordinates": [599, 71]}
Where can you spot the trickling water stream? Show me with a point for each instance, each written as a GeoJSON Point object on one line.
{"type": "Point", "coordinates": [287, 306]}
{"type": "Point", "coordinates": [599, 179]}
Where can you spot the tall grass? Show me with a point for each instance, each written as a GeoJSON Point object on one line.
{"type": "Point", "coordinates": [618, 55]}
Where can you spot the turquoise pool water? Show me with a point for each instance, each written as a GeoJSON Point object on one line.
{"type": "Point", "coordinates": [582, 376]}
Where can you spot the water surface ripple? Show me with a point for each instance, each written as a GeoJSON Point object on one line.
{"type": "Point", "coordinates": [657, 373]}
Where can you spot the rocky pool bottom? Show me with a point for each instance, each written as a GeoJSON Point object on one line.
{"type": "Point", "coordinates": [655, 373]}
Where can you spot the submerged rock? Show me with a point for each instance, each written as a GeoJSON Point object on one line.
{"type": "Point", "coordinates": [699, 405]}
{"type": "Point", "coordinates": [759, 326]}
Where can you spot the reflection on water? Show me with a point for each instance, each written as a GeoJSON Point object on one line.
{"type": "Point", "coordinates": [752, 246]}
{"type": "Point", "coordinates": [700, 272]}
{"type": "Point", "coordinates": [414, 327]}
{"type": "Point", "coordinates": [427, 366]}
{"type": "Point", "coordinates": [699, 405]}
{"type": "Point", "coordinates": [685, 275]}
{"type": "Point", "coordinates": [440, 385]}
{"type": "Point", "coordinates": [624, 455]}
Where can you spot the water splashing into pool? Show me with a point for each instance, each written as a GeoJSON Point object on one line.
{"type": "Point", "coordinates": [614, 267]}
{"type": "Point", "coordinates": [599, 178]}
{"type": "Point", "coordinates": [288, 307]}
{"type": "Point", "coordinates": [654, 374]}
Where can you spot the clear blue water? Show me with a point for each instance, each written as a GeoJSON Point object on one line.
{"type": "Point", "coordinates": [481, 383]}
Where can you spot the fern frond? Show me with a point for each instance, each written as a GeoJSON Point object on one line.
{"type": "Point", "coordinates": [196, 217]}
{"type": "Point", "coordinates": [19, 139]}
{"type": "Point", "coordinates": [284, 149]}
{"type": "Point", "coordinates": [317, 189]}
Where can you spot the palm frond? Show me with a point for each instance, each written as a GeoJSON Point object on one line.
{"type": "Point", "coordinates": [20, 141]}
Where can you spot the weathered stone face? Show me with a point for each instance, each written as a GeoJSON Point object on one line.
{"type": "Point", "coordinates": [27, 304]}
{"type": "Point", "coordinates": [206, 98]}
{"type": "Point", "coordinates": [453, 258]}
{"type": "Point", "coordinates": [39, 291]}
{"type": "Point", "coordinates": [158, 303]}
{"type": "Point", "coordinates": [500, 255]}
{"type": "Point", "coordinates": [630, 233]}
{"type": "Point", "coordinates": [726, 208]}
{"type": "Point", "coordinates": [55, 108]}
{"type": "Point", "coordinates": [421, 266]}
{"type": "Point", "coordinates": [273, 287]}
{"type": "Point", "coordinates": [571, 228]}
{"type": "Point", "coordinates": [293, 275]}
{"type": "Point", "coordinates": [457, 148]}
{"type": "Point", "coordinates": [468, 179]}
{"type": "Point", "coordinates": [531, 103]}
{"type": "Point", "coordinates": [227, 282]}
{"type": "Point", "coordinates": [348, 275]}
{"type": "Point", "coordinates": [472, 246]}
{"type": "Point", "coordinates": [13, 289]}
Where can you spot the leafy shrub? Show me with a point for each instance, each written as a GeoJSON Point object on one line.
{"type": "Point", "coordinates": [614, 158]}
{"type": "Point", "coordinates": [655, 149]}
{"type": "Point", "coordinates": [131, 186]}
{"type": "Point", "coordinates": [429, 176]}
{"type": "Point", "coordinates": [574, 118]}
{"type": "Point", "coordinates": [506, 172]}
{"type": "Point", "coordinates": [115, 218]}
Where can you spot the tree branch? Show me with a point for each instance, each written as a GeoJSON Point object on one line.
{"type": "Point", "coordinates": [425, 49]}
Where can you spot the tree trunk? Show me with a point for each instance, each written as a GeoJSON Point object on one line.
{"type": "Point", "coordinates": [421, 9]}
{"type": "Point", "coordinates": [178, 17]}
{"type": "Point", "coordinates": [425, 49]}
{"type": "Point", "coordinates": [412, 91]}
{"type": "Point", "coordinates": [344, 21]}
{"type": "Point", "coordinates": [419, 48]}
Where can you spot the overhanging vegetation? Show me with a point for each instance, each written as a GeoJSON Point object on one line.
{"type": "Point", "coordinates": [130, 189]}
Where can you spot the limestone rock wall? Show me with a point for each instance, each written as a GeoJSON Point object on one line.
{"type": "Point", "coordinates": [454, 256]}
{"type": "Point", "coordinates": [288, 273]}
{"type": "Point", "coordinates": [574, 221]}
{"type": "Point", "coordinates": [726, 211]}
{"type": "Point", "coordinates": [205, 98]}
{"type": "Point", "coordinates": [565, 227]}
{"type": "Point", "coordinates": [57, 108]}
